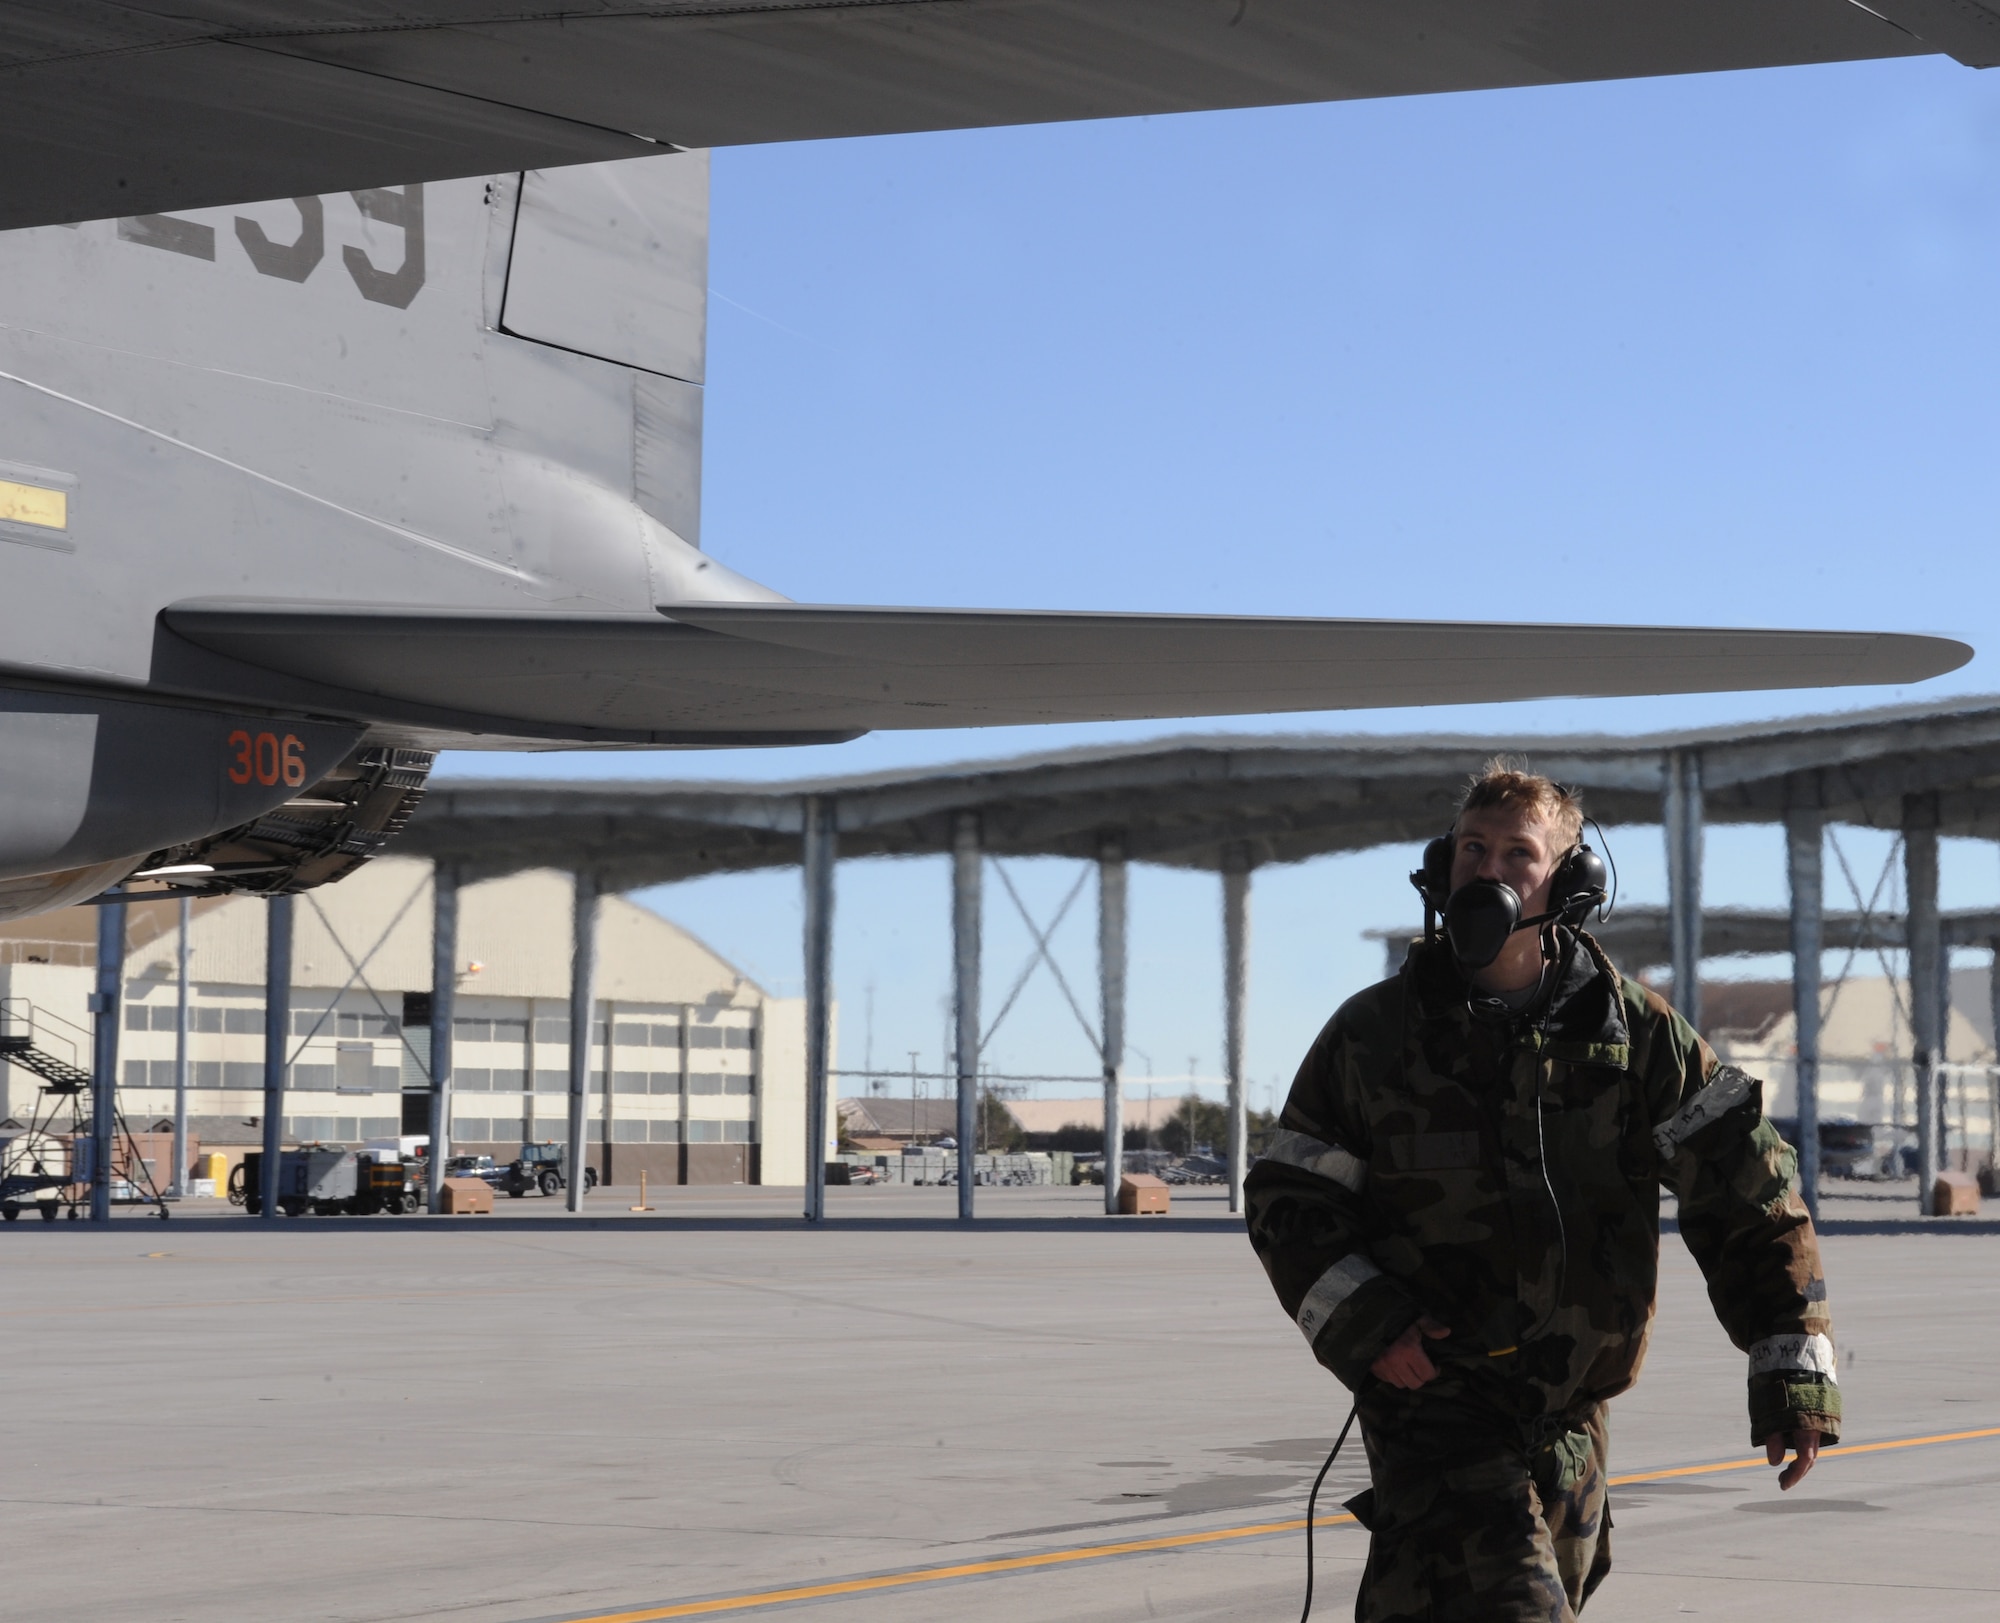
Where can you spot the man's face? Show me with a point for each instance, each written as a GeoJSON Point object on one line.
{"type": "Point", "coordinates": [1516, 848]}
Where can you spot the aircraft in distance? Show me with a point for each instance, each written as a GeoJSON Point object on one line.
{"type": "Point", "coordinates": [293, 494]}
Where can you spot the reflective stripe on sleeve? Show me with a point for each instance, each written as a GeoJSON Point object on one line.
{"type": "Point", "coordinates": [1793, 1355]}
{"type": "Point", "coordinates": [1728, 1089]}
{"type": "Point", "coordinates": [1332, 1288]}
{"type": "Point", "coordinates": [1323, 1160]}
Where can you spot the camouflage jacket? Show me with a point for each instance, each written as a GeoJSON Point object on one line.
{"type": "Point", "coordinates": [1412, 1175]}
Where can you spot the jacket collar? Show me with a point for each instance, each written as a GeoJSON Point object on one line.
{"type": "Point", "coordinates": [1583, 1014]}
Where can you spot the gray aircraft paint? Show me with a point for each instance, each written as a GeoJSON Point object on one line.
{"type": "Point", "coordinates": [128, 107]}
{"type": "Point", "coordinates": [420, 465]}
{"type": "Point", "coordinates": [45, 791]}
{"type": "Point", "coordinates": [233, 432]}
{"type": "Point", "coordinates": [92, 780]}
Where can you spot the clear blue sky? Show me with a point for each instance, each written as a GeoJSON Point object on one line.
{"type": "Point", "coordinates": [1703, 350]}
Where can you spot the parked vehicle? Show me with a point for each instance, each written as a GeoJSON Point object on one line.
{"type": "Point", "coordinates": [540, 1166]}
{"type": "Point", "coordinates": [329, 1180]}
{"type": "Point", "coordinates": [483, 1167]}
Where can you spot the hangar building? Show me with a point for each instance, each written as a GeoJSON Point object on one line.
{"type": "Point", "coordinates": [706, 1069]}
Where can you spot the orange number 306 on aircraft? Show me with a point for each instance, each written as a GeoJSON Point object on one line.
{"type": "Point", "coordinates": [267, 759]}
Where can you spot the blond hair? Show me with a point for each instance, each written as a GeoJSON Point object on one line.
{"type": "Point", "coordinates": [1506, 784]}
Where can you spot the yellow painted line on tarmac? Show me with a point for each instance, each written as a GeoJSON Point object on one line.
{"type": "Point", "coordinates": [1145, 1546]}
{"type": "Point", "coordinates": [1825, 1453]}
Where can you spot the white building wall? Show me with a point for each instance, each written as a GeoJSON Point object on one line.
{"type": "Point", "coordinates": [680, 1050]}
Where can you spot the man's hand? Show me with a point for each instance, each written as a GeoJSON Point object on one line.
{"type": "Point", "coordinates": [1805, 1442]}
{"type": "Point", "coordinates": [1404, 1362]}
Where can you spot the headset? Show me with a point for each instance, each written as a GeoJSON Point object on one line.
{"type": "Point", "coordinates": [1481, 914]}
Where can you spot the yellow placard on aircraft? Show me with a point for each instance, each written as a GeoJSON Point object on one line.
{"type": "Point", "coordinates": [33, 504]}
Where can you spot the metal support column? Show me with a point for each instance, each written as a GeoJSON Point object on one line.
{"type": "Point", "coordinates": [444, 1005]}
{"type": "Point", "coordinates": [822, 850]}
{"type": "Point", "coordinates": [1111, 995]}
{"type": "Point", "coordinates": [1943, 1056]}
{"type": "Point", "coordinates": [965, 898]}
{"type": "Point", "coordinates": [1920, 874]}
{"type": "Point", "coordinates": [1235, 976]}
{"type": "Point", "coordinates": [104, 1055]}
{"type": "Point", "coordinates": [1805, 833]}
{"type": "Point", "coordinates": [1681, 812]}
{"type": "Point", "coordinates": [277, 1037]}
{"type": "Point", "coordinates": [178, 1186]}
{"type": "Point", "coordinates": [1992, 1083]}
{"type": "Point", "coordinates": [582, 1012]}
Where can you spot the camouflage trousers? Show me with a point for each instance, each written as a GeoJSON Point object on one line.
{"type": "Point", "coordinates": [1518, 1536]}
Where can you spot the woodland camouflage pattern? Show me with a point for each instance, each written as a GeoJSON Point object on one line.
{"type": "Point", "coordinates": [1511, 1536]}
{"type": "Point", "coordinates": [1407, 1178]}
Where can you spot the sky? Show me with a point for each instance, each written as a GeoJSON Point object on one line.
{"type": "Point", "coordinates": [1708, 350]}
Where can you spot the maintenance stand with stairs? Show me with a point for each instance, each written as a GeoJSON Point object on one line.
{"type": "Point", "coordinates": [58, 1133]}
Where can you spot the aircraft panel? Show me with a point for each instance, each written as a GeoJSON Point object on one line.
{"type": "Point", "coordinates": [790, 666]}
{"type": "Point", "coordinates": [611, 260]}
{"type": "Point", "coordinates": [113, 111]}
{"type": "Point", "coordinates": [217, 123]}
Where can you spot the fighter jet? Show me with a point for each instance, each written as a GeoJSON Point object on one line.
{"type": "Point", "coordinates": [294, 494]}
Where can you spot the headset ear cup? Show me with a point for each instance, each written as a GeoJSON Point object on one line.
{"type": "Point", "coordinates": [1437, 870]}
{"type": "Point", "coordinates": [1578, 885]}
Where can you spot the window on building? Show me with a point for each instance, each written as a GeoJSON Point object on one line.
{"type": "Point", "coordinates": [472, 1129]}
{"type": "Point", "coordinates": [552, 1081]}
{"type": "Point", "coordinates": [666, 1082]}
{"type": "Point", "coordinates": [628, 1082]}
{"type": "Point", "coordinates": [205, 1019]}
{"type": "Point", "coordinates": [628, 1132]}
{"type": "Point", "coordinates": [244, 1022]}
{"type": "Point", "coordinates": [473, 1079]}
{"type": "Point", "coordinates": [552, 1031]}
{"type": "Point", "coordinates": [138, 1017]}
{"type": "Point", "coordinates": [667, 1034]}
{"type": "Point", "coordinates": [739, 1037]}
{"type": "Point", "coordinates": [506, 1081]}
{"type": "Point", "coordinates": [704, 1132]}
{"type": "Point", "coordinates": [736, 1132]}
{"type": "Point", "coordinates": [705, 1082]}
{"type": "Point", "coordinates": [242, 1074]}
{"type": "Point", "coordinates": [664, 1132]}
{"type": "Point", "coordinates": [739, 1084]}
{"type": "Point", "coordinates": [472, 1031]}
{"type": "Point", "coordinates": [632, 1034]}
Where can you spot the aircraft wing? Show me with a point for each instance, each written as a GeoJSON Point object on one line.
{"type": "Point", "coordinates": [744, 670]}
{"type": "Point", "coordinates": [124, 110]}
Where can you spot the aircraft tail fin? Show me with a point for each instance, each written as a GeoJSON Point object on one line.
{"type": "Point", "coordinates": [472, 395]}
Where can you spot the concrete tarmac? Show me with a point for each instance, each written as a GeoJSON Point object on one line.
{"type": "Point", "coordinates": [372, 1421]}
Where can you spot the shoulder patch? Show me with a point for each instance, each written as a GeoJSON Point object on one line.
{"type": "Point", "coordinates": [1727, 1088]}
